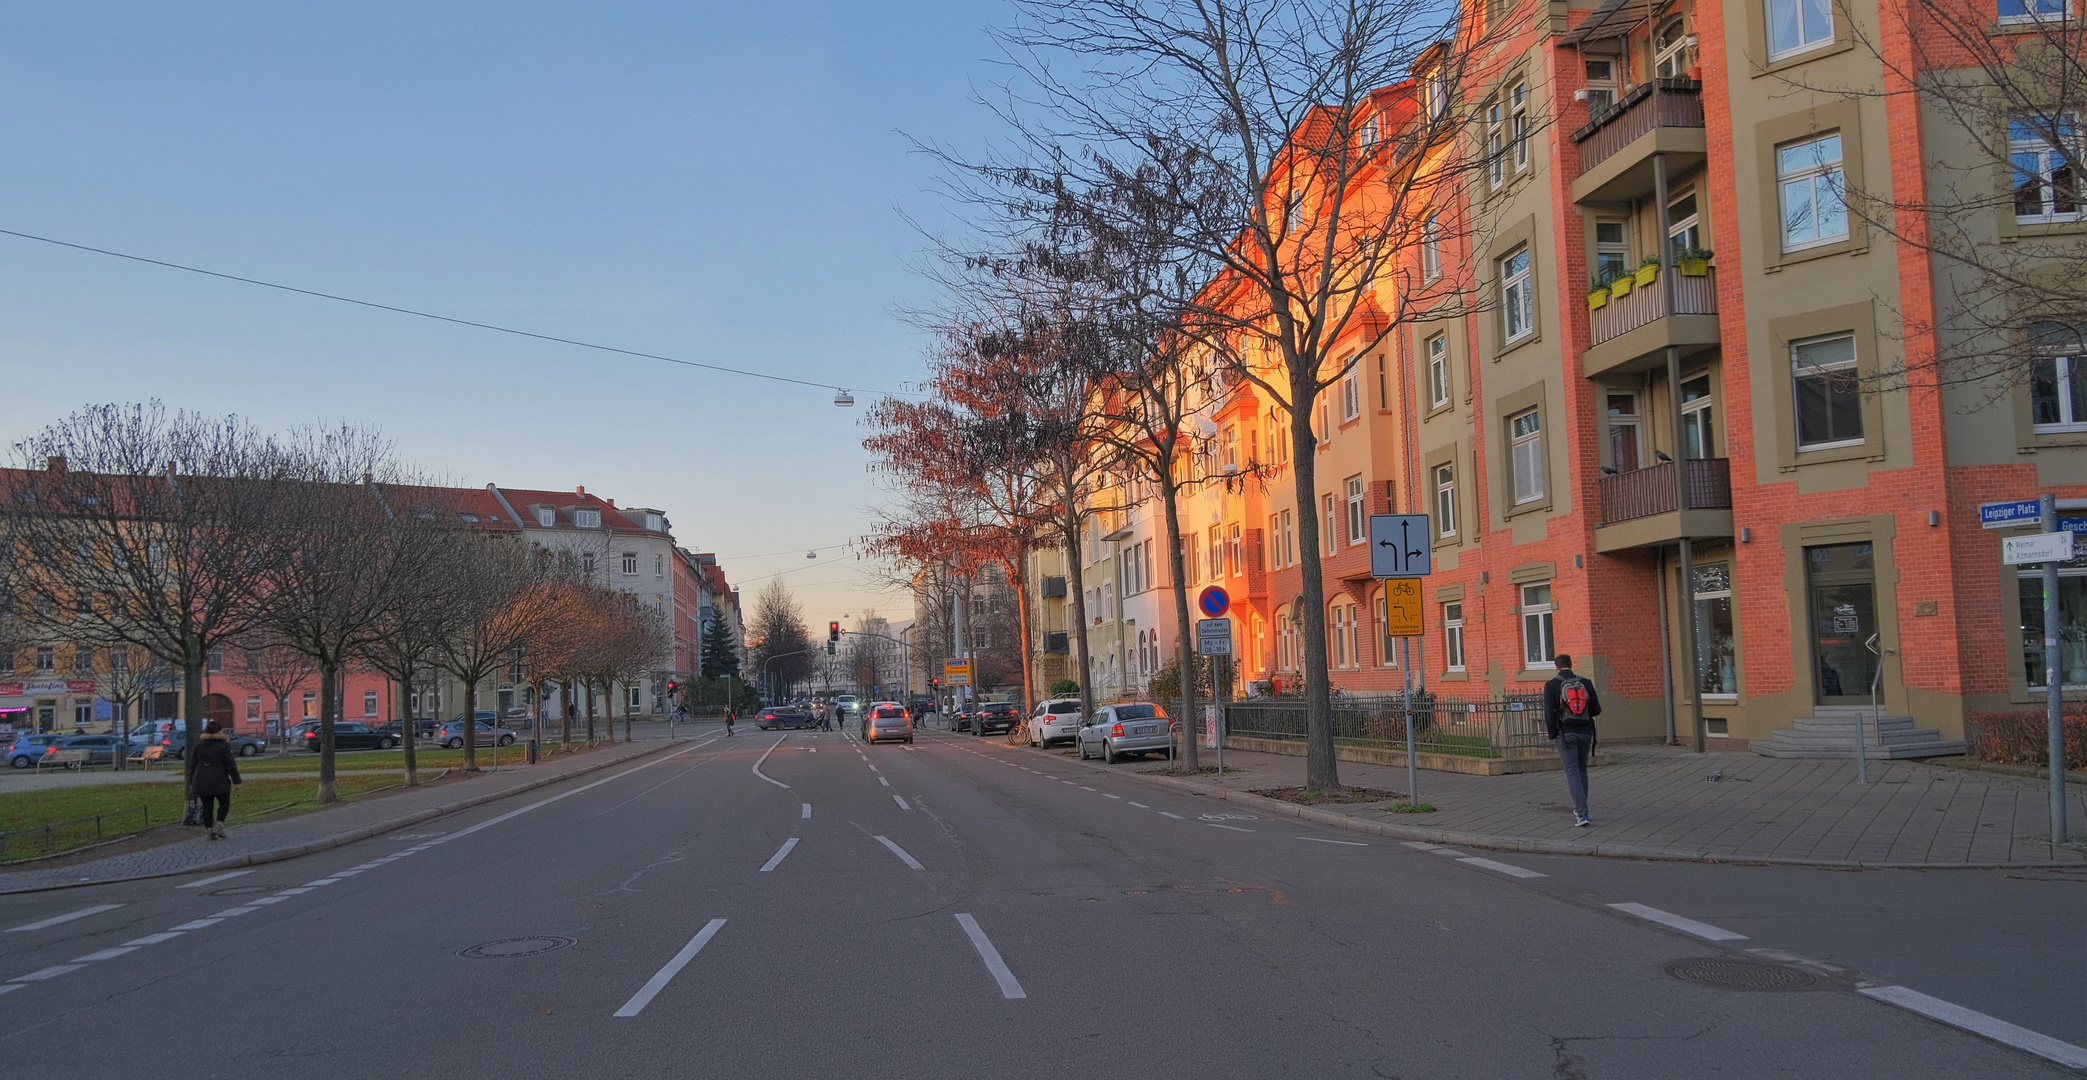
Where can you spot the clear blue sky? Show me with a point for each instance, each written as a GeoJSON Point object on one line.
{"type": "Point", "coordinates": [722, 182]}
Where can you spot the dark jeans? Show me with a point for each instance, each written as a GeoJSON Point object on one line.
{"type": "Point", "coordinates": [222, 804]}
{"type": "Point", "coordinates": [1576, 750]}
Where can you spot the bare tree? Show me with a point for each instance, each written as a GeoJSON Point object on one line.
{"type": "Point", "coordinates": [495, 603]}
{"type": "Point", "coordinates": [782, 644]}
{"type": "Point", "coordinates": [277, 670]}
{"type": "Point", "coordinates": [133, 675]}
{"type": "Point", "coordinates": [423, 546]}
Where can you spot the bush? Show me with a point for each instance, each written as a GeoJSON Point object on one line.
{"type": "Point", "coordinates": [2021, 736]}
{"type": "Point", "coordinates": [1063, 688]}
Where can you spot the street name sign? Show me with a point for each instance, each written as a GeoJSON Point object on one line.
{"type": "Point", "coordinates": [1214, 637]}
{"type": "Point", "coordinates": [1402, 608]}
{"type": "Point", "coordinates": [1399, 546]}
{"type": "Point", "coordinates": [2005, 515]}
{"type": "Point", "coordinates": [956, 672]}
{"type": "Point", "coordinates": [2037, 548]}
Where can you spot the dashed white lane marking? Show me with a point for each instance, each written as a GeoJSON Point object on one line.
{"type": "Point", "coordinates": [1141, 806]}
{"type": "Point", "coordinates": [883, 781]}
{"type": "Point", "coordinates": [264, 900]}
{"type": "Point", "coordinates": [764, 776]}
{"type": "Point", "coordinates": [807, 815]}
{"type": "Point", "coordinates": [1323, 840]}
{"type": "Point", "coordinates": [1106, 795]}
{"type": "Point", "coordinates": [51, 972]}
{"type": "Point", "coordinates": [106, 954]}
{"type": "Point", "coordinates": [1176, 817]}
{"type": "Point", "coordinates": [1419, 845]}
{"type": "Point", "coordinates": [781, 853]}
{"type": "Point", "coordinates": [65, 918]}
{"type": "Point", "coordinates": [901, 853]}
{"type": "Point", "coordinates": [1068, 783]}
{"type": "Point", "coordinates": [1501, 867]}
{"type": "Point", "coordinates": [901, 802]}
{"type": "Point", "coordinates": [1084, 787]}
{"type": "Point", "coordinates": [665, 975]}
{"type": "Point", "coordinates": [1978, 1023]}
{"type": "Point", "coordinates": [214, 879]}
{"type": "Point", "coordinates": [873, 768]}
{"type": "Point", "coordinates": [5, 987]}
{"type": "Point", "coordinates": [1687, 926]}
{"type": "Point", "coordinates": [154, 939]}
{"type": "Point", "coordinates": [1234, 828]}
{"type": "Point", "coordinates": [198, 924]}
{"type": "Point", "coordinates": [233, 912]}
{"type": "Point", "coordinates": [321, 881]}
{"type": "Point", "coordinates": [298, 891]}
{"type": "Point", "coordinates": [1449, 851]}
{"type": "Point", "coordinates": [1009, 988]}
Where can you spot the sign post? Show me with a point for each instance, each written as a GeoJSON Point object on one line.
{"type": "Point", "coordinates": [956, 672]}
{"type": "Point", "coordinates": [1400, 551]}
{"type": "Point", "coordinates": [1214, 639]}
{"type": "Point", "coordinates": [2054, 695]}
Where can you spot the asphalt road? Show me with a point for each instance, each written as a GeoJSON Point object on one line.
{"type": "Point", "coordinates": [958, 909]}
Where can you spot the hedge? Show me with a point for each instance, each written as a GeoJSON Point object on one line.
{"type": "Point", "coordinates": [2021, 737]}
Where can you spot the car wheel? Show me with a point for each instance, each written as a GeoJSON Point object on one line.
{"type": "Point", "coordinates": [1108, 752]}
{"type": "Point", "coordinates": [507, 740]}
{"type": "Point", "coordinates": [248, 750]}
{"type": "Point", "coordinates": [19, 762]}
{"type": "Point", "coordinates": [455, 744]}
{"type": "Point", "coordinates": [385, 743]}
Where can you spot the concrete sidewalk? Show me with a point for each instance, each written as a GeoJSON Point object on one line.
{"type": "Point", "coordinates": [1660, 802]}
{"type": "Point", "coordinates": [273, 841]}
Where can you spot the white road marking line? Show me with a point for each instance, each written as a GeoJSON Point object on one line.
{"type": "Point", "coordinates": [65, 918]}
{"type": "Point", "coordinates": [48, 973]}
{"type": "Point", "coordinates": [1176, 817]}
{"type": "Point", "coordinates": [230, 912]}
{"type": "Point", "coordinates": [369, 866]}
{"type": "Point", "coordinates": [883, 781]}
{"type": "Point", "coordinates": [198, 924]}
{"type": "Point", "coordinates": [1234, 828]}
{"type": "Point", "coordinates": [1141, 806]}
{"type": "Point", "coordinates": [321, 881]}
{"type": "Point", "coordinates": [901, 853]}
{"type": "Point", "coordinates": [214, 880]}
{"type": "Point", "coordinates": [1419, 845]}
{"type": "Point", "coordinates": [1084, 787]}
{"type": "Point", "coordinates": [901, 802]}
{"type": "Point", "coordinates": [1687, 926]}
{"type": "Point", "coordinates": [1501, 867]}
{"type": "Point", "coordinates": [1323, 840]}
{"type": "Point", "coordinates": [154, 939]}
{"type": "Point", "coordinates": [1449, 851]}
{"type": "Point", "coordinates": [665, 975]}
{"type": "Point", "coordinates": [1106, 795]}
{"type": "Point", "coordinates": [5, 987]}
{"type": "Point", "coordinates": [1009, 988]}
{"type": "Point", "coordinates": [264, 900]}
{"type": "Point", "coordinates": [298, 891]}
{"type": "Point", "coordinates": [1068, 783]}
{"type": "Point", "coordinates": [105, 954]}
{"type": "Point", "coordinates": [781, 853]}
{"type": "Point", "coordinates": [1978, 1023]}
{"type": "Point", "coordinates": [540, 803]}
{"type": "Point", "coordinates": [807, 815]}
{"type": "Point", "coordinates": [873, 768]}
{"type": "Point", "coordinates": [338, 874]}
{"type": "Point", "coordinates": [764, 776]}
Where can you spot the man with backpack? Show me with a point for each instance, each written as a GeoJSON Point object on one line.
{"type": "Point", "coordinates": [1570, 706]}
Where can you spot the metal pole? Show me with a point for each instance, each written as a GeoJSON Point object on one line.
{"type": "Point", "coordinates": [2054, 690]}
{"type": "Point", "coordinates": [1412, 766]}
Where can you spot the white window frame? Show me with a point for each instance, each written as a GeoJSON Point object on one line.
{"type": "Point", "coordinates": [1289, 538]}
{"type": "Point", "coordinates": [1601, 89]}
{"type": "Point", "coordinates": [1525, 441]}
{"type": "Point", "coordinates": [2027, 15]}
{"type": "Point", "coordinates": [1235, 549]}
{"type": "Point", "coordinates": [1431, 248]}
{"type": "Point", "coordinates": [1358, 512]}
{"type": "Point", "coordinates": [1517, 296]}
{"type": "Point", "coordinates": [1438, 371]}
{"type": "Point", "coordinates": [1619, 248]}
{"type": "Point", "coordinates": [1828, 370]}
{"type": "Point", "coordinates": [630, 564]}
{"type": "Point", "coordinates": [1518, 125]}
{"type": "Point", "coordinates": [369, 703]}
{"type": "Point", "coordinates": [1539, 628]}
{"type": "Point", "coordinates": [1445, 483]}
{"type": "Point", "coordinates": [1670, 61]}
{"type": "Point", "coordinates": [2026, 139]}
{"type": "Point", "coordinates": [587, 519]}
{"type": "Point", "coordinates": [1351, 398]}
{"type": "Point", "coordinates": [2066, 369]}
{"type": "Point", "coordinates": [1453, 637]}
{"type": "Point", "coordinates": [1496, 145]}
{"type": "Point", "coordinates": [1820, 177]}
{"type": "Point", "coordinates": [1803, 43]}
{"type": "Point", "coordinates": [1333, 524]}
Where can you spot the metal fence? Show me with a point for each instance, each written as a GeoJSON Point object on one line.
{"type": "Point", "coordinates": [1442, 724]}
{"type": "Point", "coordinates": [79, 832]}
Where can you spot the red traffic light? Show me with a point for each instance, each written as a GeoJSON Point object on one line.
{"type": "Point", "coordinates": [833, 631]}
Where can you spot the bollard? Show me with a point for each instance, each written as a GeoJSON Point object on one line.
{"type": "Point", "coordinates": [532, 751]}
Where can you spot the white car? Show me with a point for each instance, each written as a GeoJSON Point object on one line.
{"type": "Point", "coordinates": [1056, 720]}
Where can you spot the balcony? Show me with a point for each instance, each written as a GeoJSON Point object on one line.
{"type": "Point", "coordinates": [1664, 116]}
{"type": "Point", "coordinates": [1631, 333]}
{"type": "Point", "coordinates": [1638, 508]}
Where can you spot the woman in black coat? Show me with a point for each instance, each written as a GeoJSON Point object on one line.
{"type": "Point", "coordinates": [212, 770]}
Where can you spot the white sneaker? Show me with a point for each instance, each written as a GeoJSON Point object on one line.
{"type": "Point", "coordinates": [1581, 823]}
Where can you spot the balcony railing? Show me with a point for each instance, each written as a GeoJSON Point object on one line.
{"type": "Point", "coordinates": [1647, 304]}
{"type": "Point", "coordinates": [1656, 104]}
{"type": "Point", "coordinates": [1645, 492]}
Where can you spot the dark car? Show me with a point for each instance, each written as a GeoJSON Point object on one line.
{"type": "Point", "coordinates": [996, 716]}
{"type": "Point", "coordinates": [961, 719]}
{"type": "Point", "coordinates": [789, 716]}
{"type": "Point", "coordinates": [174, 743]}
{"type": "Point", "coordinates": [101, 749]}
{"type": "Point", "coordinates": [353, 737]}
{"type": "Point", "coordinates": [424, 729]}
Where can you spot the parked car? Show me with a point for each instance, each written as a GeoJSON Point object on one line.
{"type": "Point", "coordinates": [483, 716]}
{"type": "Point", "coordinates": [1126, 729]}
{"type": "Point", "coordinates": [1056, 720]}
{"type": "Point", "coordinates": [26, 748]}
{"type": "Point", "coordinates": [785, 716]}
{"type": "Point", "coordinates": [995, 716]}
{"type": "Point", "coordinates": [348, 736]}
{"type": "Point", "coordinates": [174, 743]}
{"type": "Point", "coordinates": [101, 749]}
{"type": "Point", "coordinates": [961, 720]}
{"type": "Point", "coordinates": [887, 721]}
{"type": "Point", "coordinates": [148, 732]}
{"type": "Point", "coordinates": [424, 729]}
{"type": "Point", "coordinates": [485, 734]}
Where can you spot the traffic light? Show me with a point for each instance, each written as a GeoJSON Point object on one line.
{"type": "Point", "coordinates": [934, 683]}
{"type": "Point", "coordinates": [673, 688]}
{"type": "Point", "coordinates": [833, 632]}
{"type": "Point", "coordinates": [829, 648]}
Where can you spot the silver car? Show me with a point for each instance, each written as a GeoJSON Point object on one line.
{"type": "Point", "coordinates": [887, 721]}
{"type": "Point", "coordinates": [1126, 729]}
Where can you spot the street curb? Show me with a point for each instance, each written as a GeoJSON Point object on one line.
{"type": "Point", "coordinates": [342, 839]}
{"type": "Point", "coordinates": [1532, 844]}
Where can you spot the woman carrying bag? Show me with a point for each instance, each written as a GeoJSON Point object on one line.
{"type": "Point", "coordinates": [212, 771]}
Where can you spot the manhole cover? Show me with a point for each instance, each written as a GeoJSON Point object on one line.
{"type": "Point", "coordinates": [241, 890]}
{"type": "Point", "coordinates": [1733, 974]}
{"type": "Point", "coordinates": [508, 948]}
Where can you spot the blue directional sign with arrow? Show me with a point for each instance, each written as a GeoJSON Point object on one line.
{"type": "Point", "coordinates": [1399, 546]}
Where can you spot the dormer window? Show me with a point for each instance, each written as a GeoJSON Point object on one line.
{"type": "Point", "coordinates": [469, 519]}
{"type": "Point", "coordinates": [546, 517]}
{"type": "Point", "coordinates": [656, 522]}
{"type": "Point", "coordinates": [587, 519]}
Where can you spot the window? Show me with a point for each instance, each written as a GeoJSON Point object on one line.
{"type": "Point", "coordinates": [1684, 233]}
{"type": "Point", "coordinates": [1284, 657]}
{"type": "Point", "coordinates": [1611, 251]}
{"type": "Point", "coordinates": [659, 566]}
{"type": "Point", "coordinates": [1829, 401]}
{"type": "Point", "coordinates": [630, 698]}
{"type": "Point", "coordinates": [1275, 541]}
{"type": "Point", "coordinates": [1387, 646]}
{"type": "Point", "coordinates": [1145, 567]}
{"type": "Point", "coordinates": [369, 703]}
{"type": "Point", "coordinates": [630, 562]}
{"type": "Point", "coordinates": [1496, 144]}
{"type": "Point", "coordinates": [1233, 553]}
{"type": "Point", "coordinates": [1813, 192]}
{"type": "Point", "coordinates": [546, 517]}
{"type": "Point", "coordinates": [1518, 124]}
{"type": "Point", "coordinates": [2057, 385]}
{"type": "Point", "coordinates": [1453, 637]}
{"type": "Point", "coordinates": [2019, 11]}
{"type": "Point", "coordinates": [1517, 297]}
{"type": "Point", "coordinates": [1445, 500]}
{"type": "Point", "coordinates": [1438, 93]}
{"type": "Point", "coordinates": [82, 660]}
{"type": "Point", "coordinates": [1601, 87]}
{"type": "Point", "coordinates": [2072, 625]}
{"type": "Point", "coordinates": [1698, 426]}
{"type": "Point", "coordinates": [46, 660]}
{"type": "Point", "coordinates": [1325, 419]}
{"type": "Point", "coordinates": [1624, 431]}
{"type": "Point", "coordinates": [1332, 525]}
{"type": "Point", "coordinates": [1289, 538]}
{"type": "Point", "coordinates": [1438, 370]}
{"type": "Point", "coordinates": [1341, 637]}
{"type": "Point", "coordinates": [587, 563]}
{"type": "Point", "coordinates": [214, 661]}
{"type": "Point", "coordinates": [1370, 133]}
{"type": "Point", "coordinates": [1257, 656]}
{"type": "Point", "coordinates": [1431, 248]}
{"type": "Point", "coordinates": [1526, 449]}
{"type": "Point", "coordinates": [587, 519]}
{"type": "Point", "coordinates": [1217, 552]}
{"type": "Point", "coordinates": [1228, 448]}
{"type": "Point", "coordinates": [1717, 667]}
{"type": "Point", "coordinates": [119, 658]}
{"type": "Point", "coordinates": [1351, 398]}
{"type": "Point", "coordinates": [1670, 50]}
{"type": "Point", "coordinates": [1797, 25]}
{"type": "Point", "coordinates": [1358, 514]}
{"type": "Point", "coordinates": [253, 708]}
{"type": "Point", "coordinates": [1538, 647]}
{"type": "Point", "coordinates": [310, 705]}
{"type": "Point", "coordinates": [2043, 151]}
{"type": "Point", "coordinates": [7, 651]}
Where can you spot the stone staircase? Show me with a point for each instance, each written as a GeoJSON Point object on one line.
{"type": "Point", "coordinates": [1830, 733]}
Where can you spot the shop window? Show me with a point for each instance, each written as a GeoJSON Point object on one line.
{"type": "Point", "coordinates": [2072, 626]}
{"type": "Point", "coordinates": [1717, 644]}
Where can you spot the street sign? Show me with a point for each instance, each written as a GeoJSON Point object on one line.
{"type": "Point", "coordinates": [1402, 608]}
{"type": "Point", "coordinates": [1213, 601]}
{"type": "Point", "coordinates": [2037, 548]}
{"type": "Point", "coordinates": [1214, 637]}
{"type": "Point", "coordinates": [2072, 525]}
{"type": "Point", "coordinates": [956, 672]}
{"type": "Point", "coordinates": [1399, 546]}
{"type": "Point", "coordinates": [2003, 515]}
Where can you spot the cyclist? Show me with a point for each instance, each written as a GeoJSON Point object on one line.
{"type": "Point", "coordinates": [731, 717]}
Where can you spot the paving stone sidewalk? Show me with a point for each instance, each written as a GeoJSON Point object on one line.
{"type": "Point", "coordinates": [272, 841]}
{"type": "Point", "coordinates": [1659, 802]}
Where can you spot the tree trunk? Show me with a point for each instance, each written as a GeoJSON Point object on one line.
{"type": "Point", "coordinates": [587, 688]}
{"type": "Point", "coordinates": [470, 735]}
{"type": "Point", "coordinates": [565, 705]}
{"type": "Point", "coordinates": [1018, 575]}
{"type": "Point", "coordinates": [608, 714]}
{"type": "Point", "coordinates": [329, 681]}
{"type": "Point", "coordinates": [1076, 584]}
{"type": "Point", "coordinates": [191, 706]}
{"type": "Point", "coordinates": [1184, 651]}
{"type": "Point", "coordinates": [626, 714]}
{"type": "Point", "coordinates": [1321, 771]}
{"type": "Point", "coordinates": [406, 728]}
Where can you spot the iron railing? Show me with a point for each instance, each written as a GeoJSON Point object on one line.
{"type": "Point", "coordinates": [1648, 491]}
{"type": "Point", "coordinates": [1442, 724]}
{"type": "Point", "coordinates": [1656, 104]}
{"type": "Point", "coordinates": [79, 832]}
{"type": "Point", "coordinates": [1647, 304]}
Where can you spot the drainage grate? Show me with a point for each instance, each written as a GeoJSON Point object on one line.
{"type": "Point", "coordinates": [1733, 974]}
{"type": "Point", "coordinates": [508, 948]}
